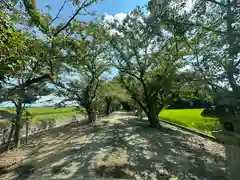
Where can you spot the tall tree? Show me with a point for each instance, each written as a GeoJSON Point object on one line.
{"type": "Point", "coordinates": [25, 12]}
{"type": "Point", "coordinates": [87, 61]}
{"type": "Point", "coordinates": [20, 98]}
{"type": "Point", "coordinates": [211, 30]}
{"type": "Point", "coordinates": [148, 58]}
{"type": "Point", "coordinates": [20, 87]}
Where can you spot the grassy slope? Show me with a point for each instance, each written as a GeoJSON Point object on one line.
{"type": "Point", "coordinates": [191, 118]}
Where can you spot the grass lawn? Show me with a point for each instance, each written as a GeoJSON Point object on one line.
{"type": "Point", "coordinates": [191, 118]}
{"type": "Point", "coordinates": [48, 113]}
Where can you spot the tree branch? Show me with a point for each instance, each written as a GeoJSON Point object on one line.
{"type": "Point", "coordinates": [216, 2]}
{"type": "Point", "coordinates": [61, 85]}
{"type": "Point", "coordinates": [198, 25]}
{"type": "Point", "coordinates": [133, 95]}
{"type": "Point", "coordinates": [237, 63]}
{"type": "Point", "coordinates": [36, 80]}
{"type": "Point", "coordinates": [84, 4]}
{"type": "Point", "coordinates": [60, 10]}
{"type": "Point", "coordinates": [14, 102]}
{"type": "Point", "coordinates": [94, 91]}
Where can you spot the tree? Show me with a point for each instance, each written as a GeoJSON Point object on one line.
{"type": "Point", "coordinates": [20, 87]}
{"type": "Point", "coordinates": [20, 98]}
{"type": "Point", "coordinates": [27, 62]}
{"type": "Point", "coordinates": [28, 9]}
{"type": "Point", "coordinates": [88, 66]}
{"type": "Point", "coordinates": [112, 92]}
{"type": "Point", "coordinates": [211, 30]}
{"type": "Point", "coordinates": [148, 58]}
{"type": "Point", "coordinates": [224, 49]}
{"type": "Point", "coordinates": [25, 12]}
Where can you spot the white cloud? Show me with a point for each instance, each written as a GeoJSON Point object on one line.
{"type": "Point", "coordinates": [110, 18]}
{"type": "Point", "coordinates": [119, 16]}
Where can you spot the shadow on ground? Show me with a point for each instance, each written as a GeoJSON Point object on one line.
{"type": "Point", "coordinates": [120, 147]}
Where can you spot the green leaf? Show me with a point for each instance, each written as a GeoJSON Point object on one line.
{"type": "Point", "coordinates": [19, 61]}
{"type": "Point", "coordinates": [14, 2]}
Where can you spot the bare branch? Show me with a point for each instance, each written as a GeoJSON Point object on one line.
{"type": "Point", "coordinates": [60, 10]}
{"type": "Point", "coordinates": [14, 102]}
{"type": "Point", "coordinates": [61, 85]}
{"type": "Point", "coordinates": [84, 5]}
{"type": "Point", "coordinates": [237, 63]}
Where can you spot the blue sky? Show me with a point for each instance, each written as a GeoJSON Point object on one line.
{"type": "Point", "coordinates": [111, 7]}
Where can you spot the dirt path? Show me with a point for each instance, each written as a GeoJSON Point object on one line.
{"type": "Point", "coordinates": [121, 147]}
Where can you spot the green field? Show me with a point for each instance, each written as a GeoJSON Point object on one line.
{"type": "Point", "coordinates": [191, 118]}
{"type": "Point", "coordinates": [48, 113]}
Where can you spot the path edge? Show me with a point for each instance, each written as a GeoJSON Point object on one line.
{"type": "Point", "coordinates": [207, 136]}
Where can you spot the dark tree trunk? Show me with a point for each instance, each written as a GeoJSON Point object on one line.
{"type": "Point", "coordinates": [10, 136]}
{"type": "Point", "coordinates": [94, 116]}
{"type": "Point", "coordinates": [89, 114]}
{"type": "Point", "coordinates": [153, 116]}
{"type": "Point", "coordinates": [108, 105]}
{"type": "Point", "coordinates": [18, 126]}
{"type": "Point", "coordinates": [26, 136]}
{"type": "Point", "coordinates": [152, 119]}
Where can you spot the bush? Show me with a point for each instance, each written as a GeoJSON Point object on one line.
{"type": "Point", "coordinates": [191, 104]}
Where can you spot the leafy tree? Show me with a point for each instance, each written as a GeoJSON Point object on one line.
{"type": "Point", "coordinates": [112, 92]}
{"type": "Point", "coordinates": [148, 58]}
{"type": "Point", "coordinates": [211, 30]}
{"type": "Point", "coordinates": [20, 88]}
{"type": "Point", "coordinates": [28, 9]}
{"type": "Point", "coordinates": [89, 65]}
{"type": "Point", "coordinates": [223, 43]}
{"type": "Point", "coordinates": [25, 12]}
{"type": "Point", "coordinates": [20, 98]}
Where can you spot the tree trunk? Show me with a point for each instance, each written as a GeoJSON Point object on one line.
{"type": "Point", "coordinates": [18, 126]}
{"type": "Point", "coordinates": [108, 105]}
{"type": "Point", "coordinates": [89, 114]}
{"type": "Point", "coordinates": [94, 116]}
{"type": "Point", "coordinates": [10, 136]}
{"type": "Point", "coordinates": [231, 39]}
{"type": "Point", "coordinates": [153, 116]}
{"type": "Point", "coordinates": [26, 136]}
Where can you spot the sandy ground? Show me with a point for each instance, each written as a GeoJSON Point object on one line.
{"type": "Point", "coordinates": [119, 146]}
